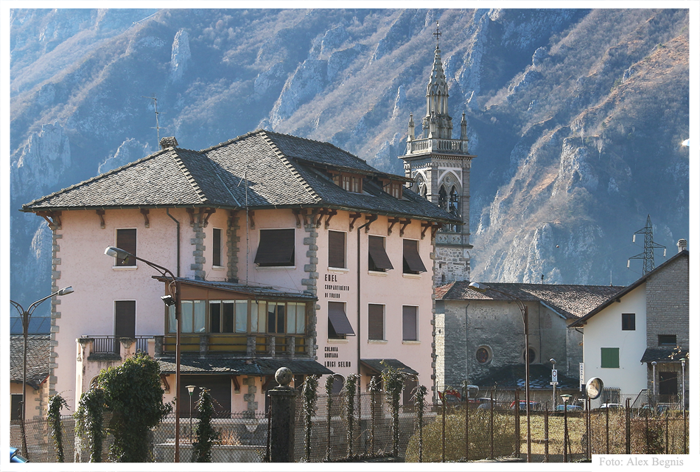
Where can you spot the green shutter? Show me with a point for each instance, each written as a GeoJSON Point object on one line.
{"type": "Point", "coordinates": [610, 357]}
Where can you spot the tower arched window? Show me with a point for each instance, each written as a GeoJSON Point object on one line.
{"type": "Point", "coordinates": [454, 202]}
{"type": "Point", "coordinates": [442, 199]}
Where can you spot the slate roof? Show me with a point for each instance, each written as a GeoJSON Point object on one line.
{"type": "Point", "coordinates": [38, 354]}
{"type": "Point", "coordinates": [570, 301]}
{"type": "Point", "coordinates": [261, 169]}
{"type": "Point", "coordinates": [605, 303]}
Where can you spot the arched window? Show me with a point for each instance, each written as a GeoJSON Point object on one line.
{"type": "Point", "coordinates": [454, 202]}
{"type": "Point", "coordinates": [442, 200]}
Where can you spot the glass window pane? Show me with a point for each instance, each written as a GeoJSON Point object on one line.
{"type": "Point", "coordinates": [291, 318]}
{"type": "Point", "coordinates": [241, 316]}
{"type": "Point", "coordinates": [215, 316]}
{"type": "Point", "coordinates": [186, 316]}
{"type": "Point", "coordinates": [301, 318]}
{"type": "Point", "coordinates": [262, 312]}
{"type": "Point", "coordinates": [199, 316]}
{"type": "Point", "coordinates": [280, 318]}
{"type": "Point", "coordinates": [171, 319]}
{"type": "Point", "coordinates": [253, 316]}
{"type": "Point", "coordinates": [271, 319]}
{"type": "Point", "coordinates": [227, 319]}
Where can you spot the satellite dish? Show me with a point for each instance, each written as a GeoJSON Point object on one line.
{"type": "Point", "coordinates": [594, 387]}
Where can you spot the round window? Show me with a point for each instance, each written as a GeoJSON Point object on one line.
{"type": "Point", "coordinates": [483, 355]}
{"type": "Point", "coordinates": [532, 355]}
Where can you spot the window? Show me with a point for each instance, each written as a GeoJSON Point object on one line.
{"type": "Point", "coordinates": [126, 240]}
{"type": "Point", "coordinates": [628, 322]}
{"type": "Point", "coordinates": [410, 323]}
{"type": "Point", "coordinates": [667, 340]}
{"type": "Point", "coordinates": [338, 324]}
{"type": "Point", "coordinates": [228, 316]}
{"type": "Point", "coordinates": [336, 249]}
{"type": "Point", "coordinates": [532, 355]}
{"type": "Point", "coordinates": [412, 263]}
{"type": "Point", "coordinates": [610, 357]}
{"type": "Point", "coordinates": [348, 182]}
{"type": "Point", "coordinates": [275, 318]}
{"type": "Point", "coordinates": [16, 411]}
{"type": "Point", "coordinates": [378, 260]}
{"type": "Point", "coordinates": [296, 318]}
{"type": "Point", "coordinates": [483, 355]}
{"type": "Point", "coordinates": [375, 323]}
{"type": "Point", "coordinates": [668, 383]}
{"type": "Point", "coordinates": [125, 319]}
{"type": "Point", "coordinates": [276, 248]}
{"type": "Point", "coordinates": [216, 248]}
{"type": "Point", "coordinates": [394, 189]}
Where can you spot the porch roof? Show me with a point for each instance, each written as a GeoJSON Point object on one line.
{"type": "Point", "coordinates": [236, 366]}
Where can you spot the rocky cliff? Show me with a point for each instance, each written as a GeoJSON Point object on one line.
{"type": "Point", "coordinates": [577, 116]}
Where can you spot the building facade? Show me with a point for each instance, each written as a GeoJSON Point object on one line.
{"type": "Point", "coordinates": [637, 342]}
{"type": "Point", "coordinates": [480, 335]}
{"type": "Point", "coordinates": [282, 251]}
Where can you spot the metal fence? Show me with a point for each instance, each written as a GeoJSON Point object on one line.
{"type": "Point", "coordinates": [454, 432]}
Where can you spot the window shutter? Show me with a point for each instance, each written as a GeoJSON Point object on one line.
{"type": "Point", "coordinates": [375, 328]}
{"type": "Point", "coordinates": [216, 243]}
{"type": "Point", "coordinates": [336, 249]}
{"type": "Point", "coordinates": [410, 329]}
{"type": "Point", "coordinates": [411, 258]}
{"type": "Point", "coordinates": [126, 240]}
{"type": "Point", "coordinates": [276, 247]}
{"type": "Point", "coordinates": [125, 319]}
{"type": "Point", "coordinates": [377, 255]}
{"type": "Point", "coordinates": [339, 320]}
{"type": "Point", "coordinates": [610, 357]}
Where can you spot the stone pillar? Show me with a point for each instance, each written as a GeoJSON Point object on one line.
{"type": "Point", "coordinates": [282, 406]}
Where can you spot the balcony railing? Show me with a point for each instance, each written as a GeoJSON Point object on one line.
{"type": "Point", "coordinates": [249, 345]}
{"type": "Point", "coordinates": [106, 344]}
{"type": "Point", "coordinates": [420, 146]}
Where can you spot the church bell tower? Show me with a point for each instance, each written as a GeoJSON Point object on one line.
{"type": "Point", "coordinates": [440, 166]}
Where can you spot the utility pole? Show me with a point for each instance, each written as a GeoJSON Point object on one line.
{"type": "Point", "coordinates": [649, 245]}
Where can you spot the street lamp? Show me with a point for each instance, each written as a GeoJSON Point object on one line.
{"type": "Point", "coordinates": [26, 315]}
{"type": "Point", "coordinates": [190, 389]}
{"type": "Point", "coordinates": [653, 384]}
{"type": "Point", "coordinates": [523, 310]}
{"type": "Point", "coordinates": [172, 299]}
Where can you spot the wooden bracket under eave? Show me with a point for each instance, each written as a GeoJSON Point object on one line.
{"type": "Point", "coordinates": [251, 218]}
{"type": "Point", "coordinates": [404, 223]}
{"type": "Point", "coordinates": [320, 214]}
{"type": "Point", "coordinates": [54, 223]}
{"type": "Point", "coordinates": [236, 384]}
{"type": "Point", "coordinates": [164, 380]}
{"type": "Point", "coordinates": [296, 212]}
{"type": "Point", "coordinates": [208, 212]}
{"type": "Point", "coordinates": [190, 211]}
{"type": "Point", "coordinates": [435, 229]}
{"type": "Point", "coordinates": [331, 214]}
{"type": "Point", "coordinates": [393, 221]}
{"type": "Point", "coordinates": [425, 225]}
{"type": "Point", "coordinates": [370, 219]}
{"type": "Point", "coordinates": [101, 214]}
{"type": "Point", "coordinates": [354, 217]}
{"type": "Point", "coordinates": [144, 212]}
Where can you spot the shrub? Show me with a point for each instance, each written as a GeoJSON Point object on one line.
{"type": "Point", "coordinates": [56, 402]}
{"type": "Point", "coordinates": [205, 434]}
{"type": "Point", "coordinates": [479, 437]}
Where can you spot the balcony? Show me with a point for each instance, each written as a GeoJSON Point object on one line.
{"type": "Point", "coordinates": [244, 345]}
{"type": "Point", "coordinates": [105, 347]}
{"type": "Point", "coordinates": [436, 145]}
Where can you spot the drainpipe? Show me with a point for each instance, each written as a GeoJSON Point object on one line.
{"type": "Point", "coordinates": [178, 239]}
{"type": "Point", "coordinates": [359, 340]}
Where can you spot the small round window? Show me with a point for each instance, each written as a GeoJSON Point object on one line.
{"type": "Point", "coordinates": [483, 355]}
{"type": "Point", "coordinates": [532, 355]}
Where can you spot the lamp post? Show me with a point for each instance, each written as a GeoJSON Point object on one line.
{"type": "Point", "coordinates": [523, 310]}
{"type": "Point", "coordinates": [172, 299]}
{"type": "Point", "coordinates": [554, 384]}
{"type": "Point", "coordinates": [653, 384]}
{"type": "Point", "coordinates": [190, 389]}
{"type": "Point", "coordinates": [26, 315]}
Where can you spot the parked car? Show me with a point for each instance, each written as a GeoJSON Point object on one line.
{"type": "Point", "coordinates": [569, 408]}
{"type": "Point", "coordinates": [533, 405]}
{"type": "Point", "coordinates": [15, 456]}
{"type": "Point", "coordinates": [611, 406]}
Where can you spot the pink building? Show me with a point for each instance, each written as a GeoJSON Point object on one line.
{"type": "Point", "coordinates": [288, 252]}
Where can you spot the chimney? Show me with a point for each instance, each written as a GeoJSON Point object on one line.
{"type": "Point", "coordinates": [168, 142]}
{"type": "Point", "coordinates": [682, 245]}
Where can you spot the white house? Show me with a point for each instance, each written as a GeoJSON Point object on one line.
{"type": "Point", "coordinates": [637, 341]}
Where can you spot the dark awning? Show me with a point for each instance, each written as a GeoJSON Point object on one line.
{"type": "Point", "coordinates": [276, 247]}
{"type": "Point", "coordinates": [378, 365]}
{"type": "Point", "coordinates": [229, 366]}
{"type": "Point", "coordinates": [411, 256]}
{"type": "Point", "coordinates": [378, 254]}
{"type": "Point", "coordinates": [661, 355]}
{"type": "Point", "coordinates": [339, 320]}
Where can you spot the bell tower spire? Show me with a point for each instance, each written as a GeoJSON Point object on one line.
{"type": "Point", "coordinates": [440, 168]}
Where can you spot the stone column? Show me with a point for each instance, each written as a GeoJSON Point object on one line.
{"type": "Point", "coordinates": [282, 406]}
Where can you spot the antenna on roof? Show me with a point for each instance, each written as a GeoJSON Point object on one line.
{"type": "Point", "coordinates": [649, 246]}
{"type": "Point", "coordinates": [157, 128]}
